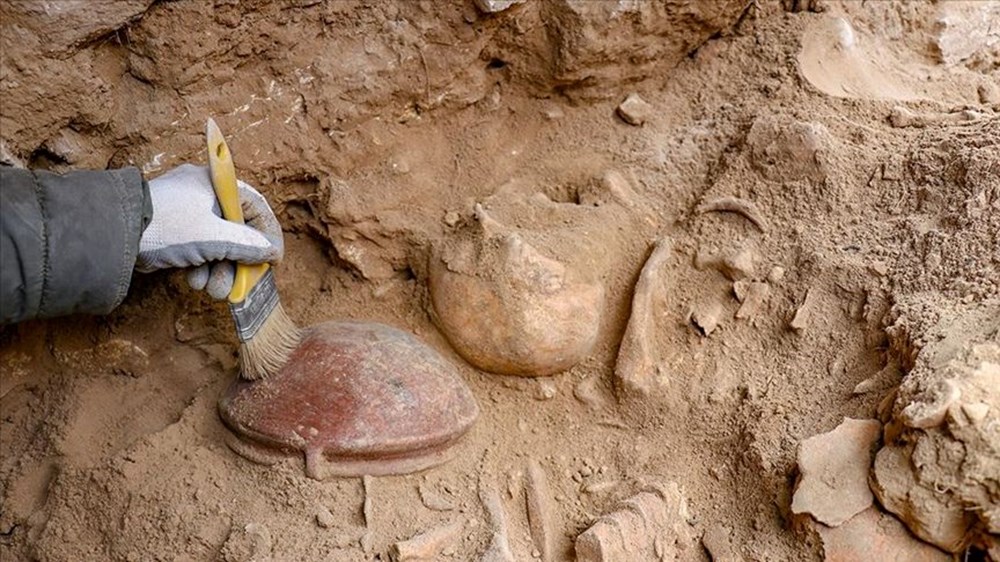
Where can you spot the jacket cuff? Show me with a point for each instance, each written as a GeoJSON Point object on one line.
{"type": "Point", "coordinates": [95, 220]}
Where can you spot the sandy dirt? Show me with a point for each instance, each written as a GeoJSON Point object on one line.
{"type": "Point", "coordinates": [861, 280]}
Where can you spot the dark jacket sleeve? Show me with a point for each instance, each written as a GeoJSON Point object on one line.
{"type": "Point", "coordinates": [68, 243]}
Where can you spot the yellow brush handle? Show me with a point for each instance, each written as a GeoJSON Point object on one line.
{"type": "Point", "coordinates": [220, 162]}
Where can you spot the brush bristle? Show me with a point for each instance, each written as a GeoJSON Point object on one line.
{"type": "Point", "coordinates": [267, 351]}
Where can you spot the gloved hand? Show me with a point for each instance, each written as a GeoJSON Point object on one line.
{"type": "Point", "coordinates": [188, 230]}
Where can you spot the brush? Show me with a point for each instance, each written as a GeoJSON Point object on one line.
{"type": "Point", "coordinates": [267, 335]}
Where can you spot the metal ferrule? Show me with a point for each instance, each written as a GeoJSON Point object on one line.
{"type": "Point", "coordinates": [250, 314]}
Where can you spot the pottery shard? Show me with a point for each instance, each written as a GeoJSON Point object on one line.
{"type": "Point", "coordinates": [651, 525]}
{"type": "Point", "coordinates": [873, 535]}
{"type": "Point", "coordinates": [508, 309]}
{"type": "Point", "coordinates": [782, 149]}
{"type": "Point", "coordinates": [833, 486]}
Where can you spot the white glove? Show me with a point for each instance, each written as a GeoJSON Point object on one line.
{"type": "Point", "coordinates": [188, 230]}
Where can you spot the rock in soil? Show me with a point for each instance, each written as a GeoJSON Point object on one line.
{"type": "Point", "coordinates": [634, 110]}
{"type": "Point", "coordinates": [324, 518]}
{"type": "Point", "coordinates": [937, 470]}
{"type": "Point", "coordinates": [493, 6]}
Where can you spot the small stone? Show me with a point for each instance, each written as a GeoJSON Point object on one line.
{"type": "Point", "coordinates": [432, 499]}
{"type": "Point", "coordinates": [589, 393]}
{"type": "Point", "coordinates": [634, 110]}
{"type": "Point", "coordinates": [324, 518]}
{"type": "Point", "coordinates": [427, 545]}
{"type": "Point", "coordinates": [452, 218]}
{"type": "Point", "coordinates": [619, 188]}
{"type": "Point", "coordinates": [803, 315]}
{"type": "Point", "coordinates": [612, 186]}
{"type": "Point", "coordinates": [872, 535]}
{"type": "Point", "coordinates": [976, 412]}
{"type": "Point", "coordinates": [494, 6]}
{"type": "Point", "coordinates": [929, 409]}
{"type": "Point", "coordinates": [740, 289]}
{"type": "Point", "coordinates": [705, 318]}
{"type": "Point", "coordinates": [776, 274]}
{"type": "Point", "coordinates": [399, 166]}
{"type": "Point", "coordinates": [738, 265]}
{"type": "Point", "coordinates": [553, 112]}
{"type": "Point", "coordinates": [989, 93]}
{"type": "Point", "coordinates": [833, 486]}
{"type": "Point", "coordinates": [546, 390]}
{"type": "Point", "coordinates": [753, 300]}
